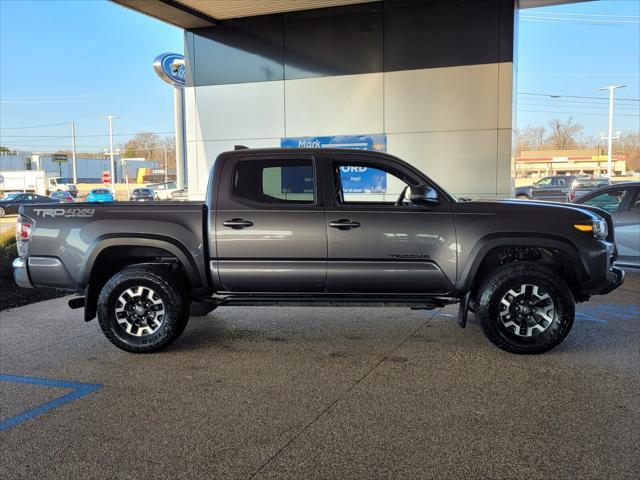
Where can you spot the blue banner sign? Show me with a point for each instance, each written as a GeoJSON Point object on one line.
{"type": "Point", "coordinates": [363, 180]}
{"type": "Point", "coordinates": [354, 179]}
{"type": "Point", "coordinates": [297, 179]}
{"type": "Point", "coordinates": [376, 142]}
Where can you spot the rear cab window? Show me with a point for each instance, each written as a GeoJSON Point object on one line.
{"type": "Point", "coordinates": [285, 181]}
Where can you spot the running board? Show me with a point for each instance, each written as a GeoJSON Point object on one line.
{"type": "Point", "coordinates": [417, 303]}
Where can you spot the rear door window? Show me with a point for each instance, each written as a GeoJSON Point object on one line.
{"type": "Point", "coordinates": [283, 181]}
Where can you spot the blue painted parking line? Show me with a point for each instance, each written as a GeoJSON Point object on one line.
{"type": "Point", "coordinates": [78, 390]}
{"type": "Point", "coordinates": [610, 311]}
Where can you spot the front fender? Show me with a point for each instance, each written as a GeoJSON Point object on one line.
{"type": "Point", "coordinates": [467, 274]}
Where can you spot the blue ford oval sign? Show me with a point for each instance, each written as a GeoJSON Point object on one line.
{"type": "Point", "coordinates": [170, 68]}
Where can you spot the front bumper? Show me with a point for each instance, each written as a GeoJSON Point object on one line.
{"type": "Point", "coordinates": [615, 278]}
{"type": "Point", "coordinates": [20, 273]}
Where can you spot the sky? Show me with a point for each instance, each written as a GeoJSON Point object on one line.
{"type": "Point", "coordinates": [77, 60]}
{"type": "Point", "coordinates": [80, 59]}
{"type": "Point", "coordinates": [576, 49]}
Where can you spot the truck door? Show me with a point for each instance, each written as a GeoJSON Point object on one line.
{"type": "Point", "coordinates": [544, 189]}
{"type": "Point", "coordinates": [270, 226]}
{"type": "Point", "coordinates": [379, 243]}
{"type": "Point", "coordinates": [627, 225]}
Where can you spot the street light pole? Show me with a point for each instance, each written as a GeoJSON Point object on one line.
{"type": "Point", "coordinates": [73, 152]}
{"type": "Point", "coordinates": [113, 164]}
{"type": "Point", "coordinates": [610, 137]}
{"type": "Point", "coordinates": [165, 164]}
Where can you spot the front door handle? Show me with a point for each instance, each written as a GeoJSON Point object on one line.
{"type": "Point", "coordinates": [344, 224]}
{"type": "Point", "coordinates": [237, 223]}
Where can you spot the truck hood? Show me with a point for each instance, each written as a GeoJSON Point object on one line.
{"type": "Point", "coordinates": [532, 212]}
{"type": "Point", "coordinates": [536, 207]}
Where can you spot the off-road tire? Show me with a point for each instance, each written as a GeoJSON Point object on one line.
{"type": "Point", "coordinates": [502, 280]}
{"type": "Point", "coordinates": [175, 302]}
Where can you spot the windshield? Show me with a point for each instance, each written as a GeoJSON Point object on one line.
{"type": "Point", "coordinates": [11, 196]}
{"type": "Point", "coordinates": [543, 182]}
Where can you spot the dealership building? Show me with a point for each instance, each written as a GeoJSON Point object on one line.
{"type": "Point", "coordinates": [430, 81]}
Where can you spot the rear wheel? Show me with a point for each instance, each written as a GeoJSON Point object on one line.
{"type": "Point", "coordinates": [141, 309]}
{"type": "Point", "coordinates": [525, 307]}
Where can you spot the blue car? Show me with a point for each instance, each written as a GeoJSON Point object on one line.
{"type": "Point", "coordinates": [100, 195]}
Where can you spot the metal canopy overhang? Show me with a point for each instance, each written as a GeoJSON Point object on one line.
{"type": "Point", "coordinates": [190, 14]}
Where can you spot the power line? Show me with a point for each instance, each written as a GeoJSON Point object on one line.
{"type": "Point", "coordinates": [557, 95]}
{"type": "Point", "coordinates": [572, 102]}
{"type": "Point", "coordinates": [579, 113]}
{"type": "Point", "coordinates": [67, 136]}
{"type": "Point", "coordinates": [586, 21]}
{"type": "Point", "coordinates": [35, 126]}
{"type": "Point", "coordinates": [587, 14]}
{"type": "Point", "coordinates": [578, 108]}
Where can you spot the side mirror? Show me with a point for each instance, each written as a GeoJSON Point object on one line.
{"type": "Point", "coordinates": [423, 195]}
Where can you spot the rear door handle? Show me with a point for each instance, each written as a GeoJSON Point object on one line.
{"type": "Point", "coordinates": [237, 223]}
{"type": "Point", "coordinates": [344, 224]}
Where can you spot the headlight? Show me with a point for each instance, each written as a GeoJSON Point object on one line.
{"type": "Point", "coordinates": [598, 228]}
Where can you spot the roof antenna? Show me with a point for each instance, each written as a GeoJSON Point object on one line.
{"type": "Point", "coordinates": [240, 147]}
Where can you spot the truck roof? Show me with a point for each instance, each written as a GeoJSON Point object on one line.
{"type": "Point", "coordinates": [243, 151]}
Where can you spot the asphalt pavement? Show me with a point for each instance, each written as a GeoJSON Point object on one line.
{"type": "Point", "coordinates": [306, 393]}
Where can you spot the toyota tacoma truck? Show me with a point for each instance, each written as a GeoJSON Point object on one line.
{"type": "Point", "coordinates": [320, 227]}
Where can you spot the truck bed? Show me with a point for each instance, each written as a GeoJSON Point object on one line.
{"type": "Point", "coordinates": [68, 238]}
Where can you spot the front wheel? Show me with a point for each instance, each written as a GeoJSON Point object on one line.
{"type": "Point", "coordinates": [2, 212]}
{"type": "Point", "coordinates": [141, 310]}
{"type": "Point", "coordinates": [525, 308]}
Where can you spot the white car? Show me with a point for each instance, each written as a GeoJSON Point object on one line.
{"type": "Point", "coordinates": [163, 191]}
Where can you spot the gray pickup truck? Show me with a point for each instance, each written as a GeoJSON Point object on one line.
{"type": "Point", "coordinates": [297, 227]}
{"type": "Point", "coordinates": [555, 189]}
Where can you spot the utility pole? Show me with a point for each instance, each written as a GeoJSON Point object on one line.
{"type": "Point", "coordinates": [610, 137]}
{"type": "Point", "coordinates": [73, 152]}
{"type": "Point", "coordinates": [113, 164]}
{"type": "Point", "coordinates": [165, 164]}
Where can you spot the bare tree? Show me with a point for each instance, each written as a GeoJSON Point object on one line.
{"type": "Point", "coordinates": [531, 138]}
{"type": "Point", "coordinates": [563, 135]}
{"type": "Point", "coordinates": [169, 143]}
{"type": "Point", "coordinates": [144, 144]}
{"type": "Point", "coordinates": [629, 145]}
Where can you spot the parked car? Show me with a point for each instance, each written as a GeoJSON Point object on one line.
{"type": "Point", "coordinates": [143, 195]}
{"type": "Point", "coordinates": [583, 185]}
{"type": "Point", "coordinates": [10, 203]}
{"type": "Point", "coordinates": [555, 189]}
{"type": "Point", "coordinates": [163, 190]}
{"type": "Point", "coordinates": [61, 184]}
{"type": "Point", "coordinates": [281, 226]}
{"type": "Point", "coordinates": [62, 197]}
{"type": "Point", "coordinates": [100, 195]}
{"type": "Point", "coordinates": [180, 195]}
{"type": "Point", "coordinates": [622, 202]}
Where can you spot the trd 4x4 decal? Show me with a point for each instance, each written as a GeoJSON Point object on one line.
{"type": "Point", "coordinates": [65, 212]}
